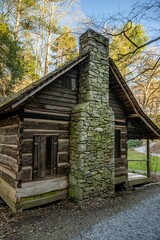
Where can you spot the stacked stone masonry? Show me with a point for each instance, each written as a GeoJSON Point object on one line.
{"type": "Point", "coordinates": [92, 162]}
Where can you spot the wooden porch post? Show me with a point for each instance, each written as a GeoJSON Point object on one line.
{"type": "Point", "coordinates": [148, 158]}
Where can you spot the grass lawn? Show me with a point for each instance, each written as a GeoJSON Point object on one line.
{"type": "Point", "coordinates": [133, 155]}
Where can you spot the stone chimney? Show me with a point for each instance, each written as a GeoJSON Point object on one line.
{"type": "Point", "coordinates": [92, 165]}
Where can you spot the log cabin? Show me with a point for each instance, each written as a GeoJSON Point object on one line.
{"type": "Point", "coordinates": [66, 134]}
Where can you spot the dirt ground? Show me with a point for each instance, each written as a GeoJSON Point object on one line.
{"type": "Point", "coordinates": [65, 220]}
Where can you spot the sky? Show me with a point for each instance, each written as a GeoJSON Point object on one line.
{"type": "Point", "coordinates": [100, 7]}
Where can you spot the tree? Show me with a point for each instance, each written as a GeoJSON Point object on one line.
{"type": "Point", "coordinates": [35, 26]}
{"type": "Point", "coordinates": [132, 54]}
{"type": "Point", "coordinates": [11, 61]}
{"type": "Point", "coordinates": [140, 13]}
{"type": "Point", "coordinates": [146, 86]}
{"type": "Point", "coordinates": [65, 47]}
{"type": "Point", "coordinates": [120, 47]}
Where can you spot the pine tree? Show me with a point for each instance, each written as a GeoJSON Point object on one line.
{"type": "Point", "coordinates": [65, 47]}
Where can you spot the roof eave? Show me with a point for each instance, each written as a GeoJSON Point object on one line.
{"type": "Point", "coordinates": [43, 82]}
{"type": "Point", "coordinates": [137, 111]}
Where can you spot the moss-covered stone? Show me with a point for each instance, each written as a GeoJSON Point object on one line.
{"type": "Point", "coordinates": [78, 193]}
{"type": "Point", "coordinates": [98, 177]}
{"type": "Point", "coordinates": [71, 193]}
{"type": "Point", "coordinates": [72, 180]}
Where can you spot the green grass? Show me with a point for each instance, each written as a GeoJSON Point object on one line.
{"type": "Point", "coordinates": [133, 155]}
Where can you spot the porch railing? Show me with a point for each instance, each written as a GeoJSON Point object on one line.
{"type": "Point", "coordinates": [147, 165]}
{"type": "Point", "coordinates": [146, 160]}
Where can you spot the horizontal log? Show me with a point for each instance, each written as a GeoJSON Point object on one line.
{"type": "Point", "coordinates": [27, 146]}
{"type": "Point", "coordinates": [8, 190]}
{"type": "Point", "coordinates": [59, 98]}
{"type": "Point", "coordinates": [119, 116]}
{"type": "Point", "coordinates": [9, 139]}
{"type": "Point", "coordinates": [43, 186]}
{"type": "Point", "coordinates": [63, 169]}
{"type": "Point", "coordinates": [63, 146]}
{"type": "Point", "coordinates": [9, 130]}
{"type": "Point", "coordinates": [11, 121]}
{"type": "Point", "coordinates": [133, 115]}
{"type": "Point", "coordinates": [62, 90]}
{"type": "Point", "coordinates": [117, 106]}
{"type": "Point", "coordinates": [57, 94]}
{"type": "Point", "coordinates": [118, 165]}
{"type": "Point", "coordinates": [44, 113]}
{"type": "Point", "coordinates": [60, 103]}
{"type": "Point", "coordinates": [10, 150]}
{"type": "Point", "coordinates": [52, 125]}
{"type": "Point", "coordinates": [8, 172]}
{"type": "Point", "coordinates": [26, 174]}
{"type": "Point", "coordinates": [62, 134]}
{"type": "Point", "coordinates": [57, 83]}
{"type": "Point", "coordinates": [9, 126]}
{"type": "Point", "coordinates": [121, 179]}
{"type": "Point", "coordinates": [45, 116]}
{"type": "Point", "coordinates": [63, 157]}
{"type": "Point", "coordinates": [48, 107]}
{"type": "Point", "coordinates": [9, 162]}
{"type": "Point", "coordinates": [27, 159]}
{"type": "Point", "coordinates": [51, 121]}
{"type": "Point", "coordinates": [8, 176]}
{"type": "Point", "coordinates": [121, 171]}
{"type": "Point", "coordinates": [9, 145]}
{"type": "Point", "coordinates": [40, 200]}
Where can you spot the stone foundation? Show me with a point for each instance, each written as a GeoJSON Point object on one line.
{"type": "Point", "coordinates": [92, 162]}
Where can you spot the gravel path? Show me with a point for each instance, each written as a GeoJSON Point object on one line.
{"type": "Point", "coordinates": [142, 222]}
{"type": "Point", "coordinates": [129, 215]}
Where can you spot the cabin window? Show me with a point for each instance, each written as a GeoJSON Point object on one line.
{"type": "Point", "coordinates": [69, 83]}
{"type": "Point", "coordinates": [45, 156]}
{"type": "Point", "coordinates": [117, 143]}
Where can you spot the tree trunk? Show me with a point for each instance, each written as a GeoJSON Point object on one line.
{"type": "Point", "coordinates": [18, 17]}
{"type": "Point", "coordinates": [48, 45]}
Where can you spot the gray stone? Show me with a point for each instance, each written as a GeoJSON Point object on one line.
{"type": "Point", "coordinates": [82, 147]}
{"type": "Point", "coordinates": [98, 177]}
{"type": "Point", "coordinates": [72, 180]}
{"type": "Point", "coordinates": [78, 193]}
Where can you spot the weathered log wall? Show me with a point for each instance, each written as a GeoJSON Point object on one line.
{"type": "Point", "coordinates": [48, 114]}
{"type": "Point", "coordinates": [121, 169]}
{"type": "Point", "coordinates": [9, 150]}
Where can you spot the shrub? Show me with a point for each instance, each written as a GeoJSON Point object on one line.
{"type": "Point", "coordinates": [134, 143]}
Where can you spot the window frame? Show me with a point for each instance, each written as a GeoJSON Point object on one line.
{"type": "Point", "coordinates": [69, 83]}
{"type": "Point", "coordinates": [40, 156]}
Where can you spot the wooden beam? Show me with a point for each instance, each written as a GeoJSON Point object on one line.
{"type": "Point", "coordinates": [52, 197]}
{"type": "Point", "coordinates": [43, 186]}
{"type": "Point", "coordinates": [133, 115]}
{"type": "Point", "coordinates": [148, 158]}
